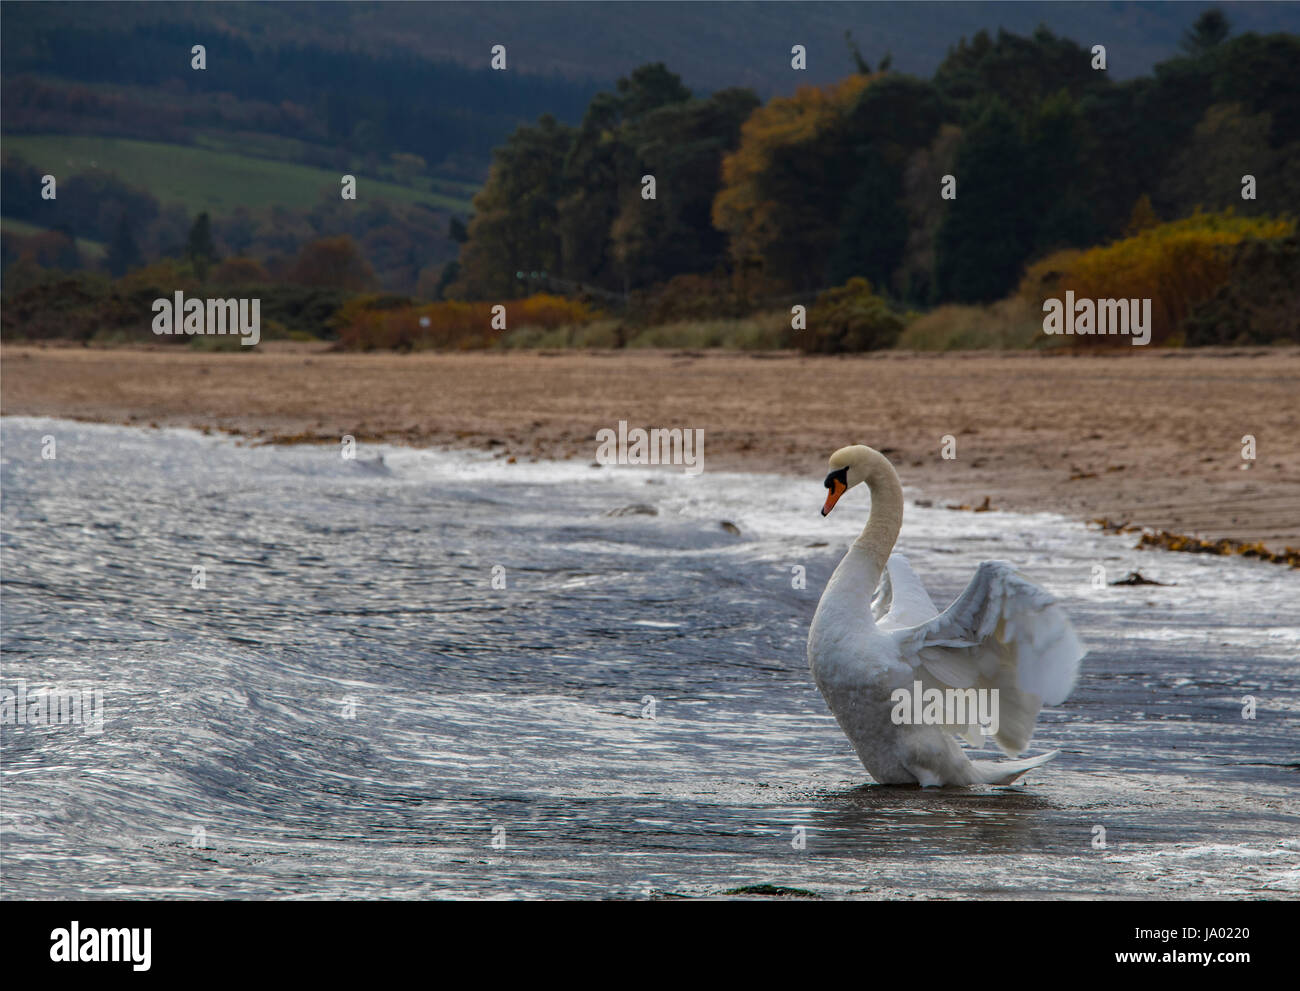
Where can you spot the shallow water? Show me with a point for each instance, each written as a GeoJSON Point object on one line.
{"type": "Point", "coordinates": [351, 709]}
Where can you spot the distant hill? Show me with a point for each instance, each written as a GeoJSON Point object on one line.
{"type": "Point", "coordinates": [346, 86]}
{"type": "Point", "coordinates": [711, 45]}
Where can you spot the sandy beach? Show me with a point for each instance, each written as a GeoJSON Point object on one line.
{"type": "Point", "coordinates": [1152, 439]}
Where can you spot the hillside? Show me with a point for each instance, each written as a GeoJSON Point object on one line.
{"type": "Point", "coordinates": [712, 45]}
{"type": "Point", "coordinates": [203, 179]}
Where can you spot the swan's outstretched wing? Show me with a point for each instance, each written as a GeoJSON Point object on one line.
{"type": "Point", "coordinates": [1002, 632]}
{"type": "Point", "coordinates": [900, 599]}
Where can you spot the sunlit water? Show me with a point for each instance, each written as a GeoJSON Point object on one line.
{"type": "Point", "coordinates": [351, 709]}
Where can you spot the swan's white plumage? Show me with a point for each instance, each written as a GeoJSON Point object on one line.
{"type": "Point", "coordinates": [876, 630]}
{"type": "Point", "coordinates": [901, 599]}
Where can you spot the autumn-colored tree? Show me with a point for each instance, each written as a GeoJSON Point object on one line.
{"type": "Point", "coordinates": [783, 187]}
{"type": "Point", "coordinates": [55, 249]}
{"type": "Point", "coordinates": [239, 271]}
{"type": "Point", "coordinates": [332, 262]}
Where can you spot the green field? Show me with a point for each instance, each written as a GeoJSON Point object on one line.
{"type": "Point", "coordinates": [89, 248]}
{"type": "Point", "coordinates": [207, 179]}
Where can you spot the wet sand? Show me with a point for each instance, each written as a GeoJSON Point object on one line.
{"type": "Point", "coordinates": [1149, 439]}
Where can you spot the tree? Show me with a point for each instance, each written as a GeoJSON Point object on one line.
{"type": "Point", "coordinates": [1143, 217]}
{"type": "Point", "coordinates": [594, 166]}
{"type": "Point", "coordinates": [332, 262]}
{"type": "Point", "coordinates": [1208, 31]}
{"type": "Point", "coordinates": [682, 145]}
{"type": "Point", "coordinates": [782, 195]}
{"type": "Point", "coordinates": [873, 232]}
{"type": "Point", "coordinates": [923, 174]}
{"type": "Point", "coordinates": [123, 252]}
{"type": "Point", "coordinates": [236, 230]}
{"type": "Point", "coordinates": [1226, 144]}
{"type": "Point", "coordinates": [602, 174]}
{"type": "Point", "coordinates": [855, 53]}
{"type": "Point", "coordinates": [407, 168]}
{"type": "Point", "coordinates": [1020, 71]}
{"type": "Point", "coordinates": [1259, 72]}
{"type": "Point", "coordinates": [239, 271]}
{"type": "Point", "coordinates": [450, 272]}
{"type": "Point", "coordinates": [200, 249]}
{"type": "Point", "coordinates": [648, 88]}
{"type": "Point", "coordinates": [988, 232]}
{"type": "Point", "coordinates": [1060, 212]}
{"type": "Point", "coordinates": [515, 213]}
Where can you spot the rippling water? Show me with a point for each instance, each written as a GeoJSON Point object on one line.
{"type": "Point", "coordinates": [350, 708]}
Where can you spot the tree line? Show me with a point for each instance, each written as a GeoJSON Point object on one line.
{"type": "Point", "coordinates": [1044, 150]}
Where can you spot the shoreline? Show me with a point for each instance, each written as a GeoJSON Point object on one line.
{"type": "Point", "coordinates": [1151, 440]}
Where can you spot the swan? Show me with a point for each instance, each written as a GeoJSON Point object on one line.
{"type": "Point", "coordinates": [877, 640]}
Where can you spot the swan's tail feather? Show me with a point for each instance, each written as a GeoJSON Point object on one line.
{"type": "Point", "coordinates": [1003, 772]}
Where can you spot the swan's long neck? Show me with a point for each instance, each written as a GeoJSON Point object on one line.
{"type": "Point", "coordinates": [876, 541]}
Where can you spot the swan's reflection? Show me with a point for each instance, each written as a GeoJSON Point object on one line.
{"type": "Point", "coordinates": [885, 820]}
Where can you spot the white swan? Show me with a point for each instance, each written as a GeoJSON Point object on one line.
{"type": "Point", "coordinates": [1002, 632]}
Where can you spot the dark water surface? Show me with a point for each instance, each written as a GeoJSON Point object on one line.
{"type": "Point", "coordinates": [351, 709]}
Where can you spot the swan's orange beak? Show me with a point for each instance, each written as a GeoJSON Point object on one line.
{"type": "Point", "coordinates": [837, 488]}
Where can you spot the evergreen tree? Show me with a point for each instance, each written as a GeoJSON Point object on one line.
{"type": "Point", "coordinates": [1209, 31]}
{"type": "Point", "coordinates": [200, 249]}
{"type": "Point", "coordinates": [123, 252]}
{"type": "Point", "coordinates": [873, 232]}
{"type": "Point", "coordinates": [987, 234]}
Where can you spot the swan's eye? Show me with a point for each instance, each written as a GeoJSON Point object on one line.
{"type": "Point", "coordinates": [840, 475]}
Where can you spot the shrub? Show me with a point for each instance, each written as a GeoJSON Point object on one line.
{"type": "Point", "coordinates": [597, 334]}
{"type": "Point", "coordinates": [850, 318]}
{"type": "Point", "coordinates": [687, 297]}
{"type": "Point", "coordinates": [1175, 265]}
{"type": "Point", "coordinates": [302, 310]}
{"type": "Point", "coordinates": [760, 332]}
{"type": "Point", "coordinates": [57, 306]}
{"type": "Point", "coordinates": [1260, 303]}
{"type": "Point", "coordinates": [1008, 323]}
{"type": "Point", "coordinates": [369, 322]}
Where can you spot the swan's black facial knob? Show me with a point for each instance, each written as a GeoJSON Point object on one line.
{"type": "Point", "coordinates": [838, 483]}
